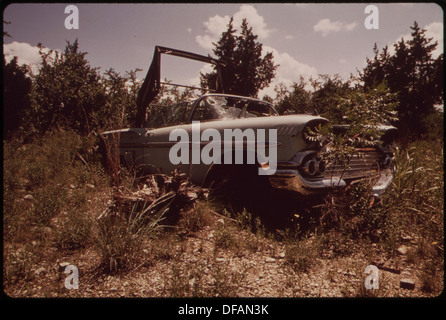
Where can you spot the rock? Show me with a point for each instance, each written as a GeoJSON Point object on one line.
{"type": "Point", "coordinates": [403, 250]}
{"type": "Point", "coordinates": [90, 186]}
{"type": "Point", "coordinates": [219, 260]}
{"type": "Point", "coordinates": [192, 195]}
{"type": "Point", "coordinates": [40, 271]}
{"type": "Point", "coordinates": [406, 273]}
{"type": "Point", "coordinates": [28, 197]}
{"type": "Point", "coordinates": [406, 238]}
{"type": "Point", "coordinates": [407, 283]}
{"type": "Point", "coordinates": [63, 265]}
{"type": "Point", "coordinates": [390, 266]}
{"type": "Point", "coordinates": [378, 262]}
{"type": "Point", "coordinates": [270, 260]}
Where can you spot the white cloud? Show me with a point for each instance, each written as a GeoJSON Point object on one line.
{"type": "Point", "coordinates": [217, 24]}
{"type": "Point", "coordinates": [289, 37]}
{"type": "Point", "coordinates": [289, 70]}
{"type": "Point", "coordinates": [435, 31]}
{"type": "Point", "coordinates": [195, 81]}
{"type": "Point", "coordinates": [189, 30]}
{"type": "Point", "coordinates": [255, 20]}
{"type": "Point", "coordinates": [25, 53]}
{"type": "Point", "coordinates": [325, 26]}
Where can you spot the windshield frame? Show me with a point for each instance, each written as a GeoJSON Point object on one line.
{"type": "Point", "coordinates": [197, 102]}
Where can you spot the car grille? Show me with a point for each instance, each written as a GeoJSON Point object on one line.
{"type": "Point", "coordinates": [363, 163]}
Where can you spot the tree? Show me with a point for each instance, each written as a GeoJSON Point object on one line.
{"type": "Point", "coordinates": [328, 92]}
{"type": "Point", "coordinates": [16, 95]}
{"type": "Point", "coordinates": [247, 72]}
{"type": "Point", "coordinates": [298, 100]}
{"type": "Point", "coordinates": [120, 107]}
{"type": "Point", "coordinates": [363, 113]}
{"type": "Point", "coordinates": [414, 74]}
{"type": "Point", "coordinates": [68, 92]}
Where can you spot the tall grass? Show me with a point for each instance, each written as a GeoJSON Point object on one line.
{"type": "Point", "coordinates": [417, 194]}
{"type": "Point", "coordinates": [412, 206]}
{"type": "Point", "coordinates": [120, 236]}
{"type": "Point", "coordinates": [49, 172]}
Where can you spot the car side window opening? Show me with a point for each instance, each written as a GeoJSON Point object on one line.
{"type": "Point", "coordinates": [163, 116]}
{"type": "Point", "coordinates": [177, 113]}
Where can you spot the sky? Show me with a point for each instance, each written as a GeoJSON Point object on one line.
{"type": "Point", "coordinates": [306, 39]}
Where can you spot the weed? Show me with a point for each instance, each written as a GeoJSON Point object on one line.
{"type": "Point", "coordinates": [301, 255]}
{"type": "Point", "coordinates": [429, 274]}
{"type": "Point", "coordinates": [115, 243]}
{"type": "Point", "coordinates": [195, 219]}
{"type": "Point", "coordinates": [225, 280]}
{"type": "Point", "coordinates": [223, 238]}
{"type": "Point", "coordinates": [48, 203]}
{"type": "Point", "coordinates": [163, 247]}
{"type": "Point", "coordinates": [75, 232]}
{"type": "Point", "coordinates": [18, 266]}
{"type": "Point", "coordinates": [244, 218]}
{"type": "Point", "coordinates": [187, 282]}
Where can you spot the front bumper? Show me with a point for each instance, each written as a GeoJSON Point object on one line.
{"type": "Point", "coordinates": [292, 180]}
{"type": "Point", "coordinates": [383, 183]}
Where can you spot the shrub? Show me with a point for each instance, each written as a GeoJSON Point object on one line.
{"type": "Point", "coordinates": [195, 219]}
{"type": "Point", "coordinates": [352, 213]}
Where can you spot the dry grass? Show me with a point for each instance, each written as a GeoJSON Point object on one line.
{"type": "Point", "coordinates": [56, 188]}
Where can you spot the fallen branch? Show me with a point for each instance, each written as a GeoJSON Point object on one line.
{"type": "Point", "coordinates": [83, 160]}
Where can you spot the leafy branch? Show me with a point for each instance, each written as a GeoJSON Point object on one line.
{"type": "Point", "coordinates": [364, 114]}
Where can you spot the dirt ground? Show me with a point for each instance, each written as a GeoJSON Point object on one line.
{"type": "Point", "coordinates": [255, 267]}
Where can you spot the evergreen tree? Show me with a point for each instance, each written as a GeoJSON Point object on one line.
{"type": "Point", "coordinates": [247, 71]}
{"type": "Point", "coordinates": [414, 74]}
{"type": "Point", "coordinates": [224, 49]}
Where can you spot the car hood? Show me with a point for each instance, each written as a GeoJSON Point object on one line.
{"type": "Point", "coordinates": [289, 125]}
{"type": "Point", "coordinates": [285, 125]}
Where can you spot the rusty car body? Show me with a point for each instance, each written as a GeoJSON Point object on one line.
{"type": "Point", "coordinates": [299, 167]}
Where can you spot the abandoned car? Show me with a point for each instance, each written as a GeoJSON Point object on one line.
{"type": "Point", "coordinates": [195, 137]}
